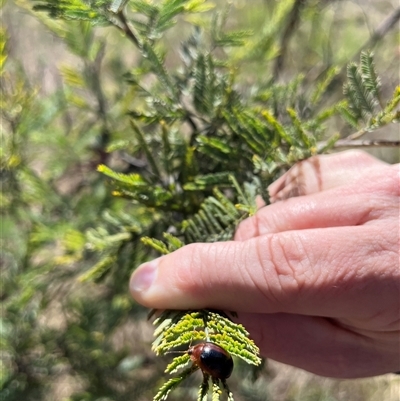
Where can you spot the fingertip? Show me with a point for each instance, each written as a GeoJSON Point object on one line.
{"type": "Point", "coordinates": [143, 278]}
{"type": "Point", "coordinates": [168, 282]}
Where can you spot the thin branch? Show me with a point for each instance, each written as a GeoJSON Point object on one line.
{"type": "Point", "coordinates": [383, 29]}
{"type": "Point", "coordinates": [363, 143]}
{"type": "Point", "coordinates": [292, 23]}
{"type": "Point", "coordinates": [191, 122]}
{"type": "Point", "coordinates": [358, 134]}
{"type": "Point", "coordinates": [127, 29]}
{"type": "Point", "coordinates": [150, 157]}
{"type": "Point", "coordinates": [380, 32]}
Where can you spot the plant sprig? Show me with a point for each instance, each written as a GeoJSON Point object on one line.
{"type": "Point", "coordinates": [176, 329]}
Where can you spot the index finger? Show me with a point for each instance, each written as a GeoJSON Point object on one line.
{"type": "Point", "coordinates": [333, 272]}
{"type": "Point", "coordinates": [346, 205]}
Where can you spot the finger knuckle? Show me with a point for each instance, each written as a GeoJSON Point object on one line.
{"type": "Point", "coordinates": [287, 273]}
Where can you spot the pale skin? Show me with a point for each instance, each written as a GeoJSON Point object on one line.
{"type": "Point", "coordinates": [314, 277]}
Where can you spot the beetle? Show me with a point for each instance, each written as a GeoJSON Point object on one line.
{"type": "Point", "coordinates": [212, 359]}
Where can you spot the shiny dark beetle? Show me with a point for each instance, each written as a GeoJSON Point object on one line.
{"type": "Point", "coordinates": [212, 359]}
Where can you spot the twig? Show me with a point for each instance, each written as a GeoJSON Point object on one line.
{"type": "Point", "coordinates": [380, 32]}
{"type": "Point", "coordinates": [127, 29]}
{"type": "Point", "coordinates": [382, 29]}
{"type": "Point", "coordinates": [363, 143]}
{"type": "Point", "coordinates": [191, 122]}
{"type": "Point", "coordinates": [292, 23]}
{"type": "Point", "coordinates": [358, 134]}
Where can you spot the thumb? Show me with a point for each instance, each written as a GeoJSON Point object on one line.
{"type": "Point", "coordinates": [313, 272]}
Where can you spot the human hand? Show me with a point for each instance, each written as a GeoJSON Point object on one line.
{"type": "Point", "coordinates": [315, 278]}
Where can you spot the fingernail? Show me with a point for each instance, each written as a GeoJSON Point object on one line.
{"type": "Point", "coordinates": [144, 276]}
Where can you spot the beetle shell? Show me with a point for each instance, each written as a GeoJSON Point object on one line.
{"type": "Point", "coordinates": [212, 359]}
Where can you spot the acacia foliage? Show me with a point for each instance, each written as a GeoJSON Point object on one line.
{"type": "Point", "coordinates": [187, 146]}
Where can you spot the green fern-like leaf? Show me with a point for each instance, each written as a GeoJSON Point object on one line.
{"type": "Point", "coordinates": [307, 140]}
{"type": "Point", "coordinates": [99, 270]}
{"type": "Point", "coordinates": [370, 77]}
{"type": "Point", "coordinates": [156, 63]}
{"type": "Point", "coordinates": [202, 182]}
{"type": "Point", "coordinates": [149, 196]}
{"type": "Point", "coordinates": [156, 244]}
{"type": "Point", "coordinates": [200, 100]}
{"type": "Point", "coordinates": [136, 187]}
{"type": "Point", "coordinates": [214, 147]}
{"type": "Point", "coordinates": [393, 102]}
{"type": "Point", "coordinates": [255, 132]}
{"type": "Point", "coordinates": [145, 147]}
{"type": "Point", "coordinates": [168, 10]}
{"type": "Point", "coordinates": [172, 243]}
{"type": "Point", "coordinates": [144, 7]}
{"type": "Point", "coordinates": [3, 53]}
{"type": "Point", "coordinates": [131, 180]}
{"type": "Point", "coordinates": [362, 100]}
{"type": "Point", "coordinates": [172, 384]}
{"type": "Point", "coordinates": [237, 38]}
{"type": "Point", "coordinates": [203, 390]}
{"type": "Point", "coordinates": [216, 221]}
{"type": "Point", "coordinates": [348, 115]}
{"type": "Point", "coordinates": [278, 128]}
{"type": "Point", "coordinates": [216, 391]}
{"type": "Point", "coordinates": [179, 329]}
{"type": "Point", "coordinates": [178, 363]}
{"type": "Point", "coordinates": [322, 85]}
{"type": "Point", "coordinates": [79, 10]}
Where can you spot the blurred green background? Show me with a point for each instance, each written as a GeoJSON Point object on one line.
{"type": "Point", "coordinates": [66, 339]}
